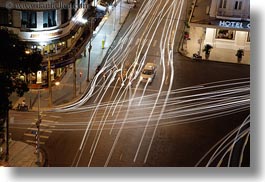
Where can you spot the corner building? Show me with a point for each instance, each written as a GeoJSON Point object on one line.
{"type": "Point", "coordinates": [224, 24]}
{"type": "Point", "coordinates": [56, 28]}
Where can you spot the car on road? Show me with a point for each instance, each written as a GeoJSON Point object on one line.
{"type": "Point", "coordinates": [148, 73]}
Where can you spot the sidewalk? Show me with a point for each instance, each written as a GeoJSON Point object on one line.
{"type": "Point", "coordinates": [199, 21]}
{"type": "Point", "coordinates": [22, 155]}
{"type": "Point", "coordinates": [62, 94]}
{"type": "Point", "coordinates": [217, 54]}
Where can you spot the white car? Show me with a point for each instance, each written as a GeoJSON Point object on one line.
{"type": "Point", "coordinates": [148, 73]}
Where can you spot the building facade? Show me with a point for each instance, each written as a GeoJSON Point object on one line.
{"type": "Point", "coordinates": [56, 28]}
{"type": "Point", "coordinates": [232, 24]}
{"type": "Point", "coordinates": [224, 24]}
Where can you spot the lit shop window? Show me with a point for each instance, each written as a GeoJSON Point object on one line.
{"type": "Point", "coordinates": [225, 34]}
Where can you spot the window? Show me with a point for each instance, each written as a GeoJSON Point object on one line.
{"type": "Point", "coordinates": [49, 18]}
{"type": "Point", "coordinates": [238, 5]}
{"type": "Point", "coordinates": [29, 19]}
{"type": "Point", "coordinates": [64, 14]}
{"type": "Point", "coordinates": [225, 34]}
{"type": "Point", "coordinates": [73, 7]}
{"type": "Point", "coordinates": [222, 4]}
{"type": "Point", "coordinates": [34, 0]}
{"type": "Point", "coordinates": [3, 16]}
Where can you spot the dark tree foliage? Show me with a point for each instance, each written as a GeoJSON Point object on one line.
{"type": "Point", "coordinates": [14, 62]}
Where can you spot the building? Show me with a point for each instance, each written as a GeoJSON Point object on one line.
{"type": "Point", "coordinates": [59, 29]}
{"type": "Point", "coordinates": [224, 24]}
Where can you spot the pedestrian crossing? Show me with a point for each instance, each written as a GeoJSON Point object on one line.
{"type": "Point", "coordinates": [46, 128]}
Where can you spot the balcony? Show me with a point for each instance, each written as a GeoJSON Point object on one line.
{"type": "Point", "coordinates": [233, 15]}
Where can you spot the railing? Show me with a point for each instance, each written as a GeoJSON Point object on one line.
{"type": "Point", "coordinates": [233, 14]}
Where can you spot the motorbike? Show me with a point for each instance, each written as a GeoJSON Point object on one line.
{"type": "Point", "coordinates": [21, 107]}
{"type": "Point", "coordinates": [196, 56]}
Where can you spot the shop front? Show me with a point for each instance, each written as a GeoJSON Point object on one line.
{"type": "Point", "coordinates": [225, 34]}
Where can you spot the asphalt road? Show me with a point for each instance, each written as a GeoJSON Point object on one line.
{"type": "Point", "coordinates": [119, 131]}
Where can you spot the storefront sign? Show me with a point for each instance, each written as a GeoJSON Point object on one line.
{"type": "Point", "coordinates": [48, 35]}
{"type": "Point", "coordinates": [234, 24]}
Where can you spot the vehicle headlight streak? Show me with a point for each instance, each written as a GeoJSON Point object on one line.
{"type": "Point", "coordinates": [170, 60]}
{"type": "Point", "coordinates": [226, 145]}
{"type": "Point", "coordinates": [220, 100]}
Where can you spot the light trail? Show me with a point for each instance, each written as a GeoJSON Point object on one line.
{"type": "Point", "coordinates": [180, 106]}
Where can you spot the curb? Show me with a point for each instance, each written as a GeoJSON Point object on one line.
{"type": "Point", "coordinates": [210, 60]}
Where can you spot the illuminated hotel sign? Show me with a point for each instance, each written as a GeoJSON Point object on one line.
{"type": "Point", "coordinates": [234, 24]}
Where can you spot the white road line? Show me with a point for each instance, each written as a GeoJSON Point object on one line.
{"type": "Point", "coordinates": [137, 41]}
{"type": "Point", "coordinates": [42, 130]}
{"type": "Point", "coordinates": [48, 121]}
{"type": "Point", "coordinates": [55, 116]}
{"type": "Point", "coordinates": [32, 135]}
{"type": "Point", "coordinates": [45, 125]}
{"type": "Point", "coordinates": [30, 141]}
{"type": "Point", "coordinates": [144, 42]}
{"type": "Point", "coordinates": [154, 43]}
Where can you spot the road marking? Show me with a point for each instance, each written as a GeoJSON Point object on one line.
{"type": "Point", "coordinates": [137, 41]}
{"type": "Point", "coordinates": [48, 121]}
{"type": "Point", "coordinates": [145, 42]}
{"type": "Point", "coordinates": [121, 156]}
{"type": "Point", "coordinates": [154, 44]}
{"type": "Point", "coordinates": [41, 130]}
{"type": "Point", "coordinates": [45, 125]}
{"type": "Point", "coordinates": [30, 141]}
{"type": "Point", "coordinates": [56, 116]}
{"type": "Point", "coordinates": [32, 135]}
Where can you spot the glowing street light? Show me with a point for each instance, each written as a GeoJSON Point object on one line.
{"type": "Point", "coordinates": [57, 83]}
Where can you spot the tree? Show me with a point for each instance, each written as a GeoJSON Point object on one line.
{"type": "Point", "coordinates": [14, 62]}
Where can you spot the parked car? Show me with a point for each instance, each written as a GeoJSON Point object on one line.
{"type": "Point", "coordinates": [148, 73]}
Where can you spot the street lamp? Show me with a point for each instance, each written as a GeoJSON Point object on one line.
{"type": "Point", "coordinates": [49, 79]}
{"type": "Point", "coordinates": [80, 77]}
{"type": "Point", "coordinates": [57, 83]}
{"type": "Point", "coordinates": [90, 46]}
{"type": "Point", "coordinates": [120, 11]}
{"type": "Point", "coordinates": [38, 122]}
{"type": "Point", "coordinates": [115, 15]}
{"type": "Point", "coordinates": [43, 44]}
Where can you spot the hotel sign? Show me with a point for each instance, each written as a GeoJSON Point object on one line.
{"type": "Point", "coordinates": [234, 24]}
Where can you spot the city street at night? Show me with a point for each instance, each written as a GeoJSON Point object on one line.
{"type": "Point", "coordinates": [150, 84]}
